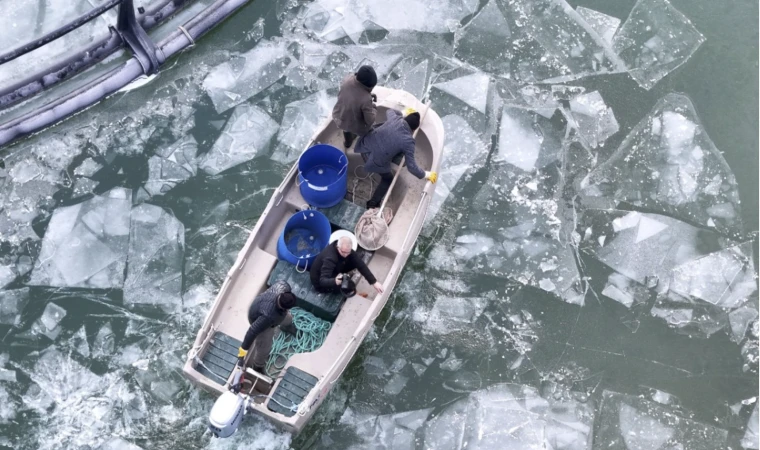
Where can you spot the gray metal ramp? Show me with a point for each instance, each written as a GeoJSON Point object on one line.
{"type": "Point", "coordinates": [220, 358]}
{"type": "Point", "coordinates": [293, 388]}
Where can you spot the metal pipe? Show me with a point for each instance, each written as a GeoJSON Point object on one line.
{"type": "Point", "coordinates": [118, 77]}
{"type": "Point", "coordinates": [55, 34]}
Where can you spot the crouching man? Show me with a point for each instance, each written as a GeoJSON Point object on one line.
{"type": "Point", "coordinates": [335, 260]}
{"type": "Point", "coordinates": [269, 309]}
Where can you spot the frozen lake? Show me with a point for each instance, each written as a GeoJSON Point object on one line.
{"type": "Point", "coordinates": [586, 278]}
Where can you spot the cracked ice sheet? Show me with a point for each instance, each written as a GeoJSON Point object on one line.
{"type": "Point", "coordinates": [654, 40]}
{"type": "Point", "coordinates": [466, 96]}
{"type": "Point", "coordinates": [640, 245]}
{"type": "Point", "coordinates": [517, 233]}
{"type": "Point", "coordinates": [85, 245]}
{"type": "Point", "coordinates": [391, 431]}
{"type": "Point", "coordinates": [668, 163]}
{"type": "Point", "coordinates": [511, 416]}
{"type": "Point", "coordinates": [528, 140]}
{"type": "Point", "coordinates": [156, 257]}
{"type": "Point", "coordinates": [245, 136]}
{"type": "Point", "coordinates": [594, 121]}
{"type": "Point", "coordinates": [301, 120]}
{"type": "Point", "coordinates": [604, 25]}
{"type": "Point", "coordinates": [247, 74]}
{"type": "Point", "coordinates": [535, 41]}
{"type": "Point", "coordinates": [171, 166]}
{"type": "Point", "coordinates": [630, 422]}
{"type": "Point", "coordinates": [330, 18]}
{"type": "Point", "coordinates": [463, 152]}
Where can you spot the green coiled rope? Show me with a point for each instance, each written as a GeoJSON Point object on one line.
{"type": "Point", "coordinates": [312, 332]}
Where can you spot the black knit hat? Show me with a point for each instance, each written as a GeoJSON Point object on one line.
{"type": "Point", "coordinates": [413, 120]}
{"type": "Point", "coordinates": [286, 300]}
{"type": "Point", "coordinates": [367, 76]}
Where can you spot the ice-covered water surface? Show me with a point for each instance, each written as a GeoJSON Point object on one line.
{"type": "Point", "coordinates": [532, 314]}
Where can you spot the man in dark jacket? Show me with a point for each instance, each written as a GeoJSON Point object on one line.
{"type": "Point", "coordinates": [354, 112]}
{"type": "Point", "coordinates": [333, 262]}
{"type": "Point", "coordinates": [269, 309]}
{"type": "Point", "coordinates": [381, 145]}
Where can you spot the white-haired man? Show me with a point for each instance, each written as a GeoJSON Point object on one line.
{"type": "Point", "coordinates": [335, 260]}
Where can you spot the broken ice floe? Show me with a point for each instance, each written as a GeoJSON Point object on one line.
{"type": "Point", "coordinates": [528, 140]}
{"type": "Point", "coordinates": [156, 258]}
{"type": "Point", "coordinates": [302, 118]}
{"type": "Point", "coordinates": [533, 41]}
{"type": "Point", "coordinates": [391, 431]}
{"type": "Point", "coordinates": [631, 422]}
{"type": "Point", "coordinates": [466, 96]}
{"type": "Point", "coordinates": [49, 322]}
{"type": "Point", "coordinates": [412, 79]}
{"type": "Point", "coordinates": [511, 416]}
{"type": "Point", "coordinates": [85, 245]}
{"type": "Point", "coordinates": [12, 304]}
{"type": "Point", "coordinates": [668, 163]}
{"type": "Point", "coordinates": [750, 439]}
{"type": "Point", "coordinates": [463, 152]}
{"type": "Point", "coordinates": [592, 118]}
{"type": "Point", "coordinates": [654, 40]}
{"type": "Point", "coordinates": [171, 165]}
{"type": "Point", "coordinates": [245, 136]}
{"type": "Point", "coordinates": [245, 75]}
{"type": "Point", "coordinates": [604, 25]}
{"type": "Point", "coordinates": [452, 314]}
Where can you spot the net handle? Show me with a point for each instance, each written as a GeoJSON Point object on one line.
{"type": "Point", "coordinates": [401, 164]}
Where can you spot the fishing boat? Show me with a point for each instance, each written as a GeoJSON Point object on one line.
{"type": "Point", "coordinates": [291, 398]}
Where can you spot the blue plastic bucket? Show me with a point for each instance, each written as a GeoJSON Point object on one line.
{"type": "Point", "coordinates": [305, 234]}
{"type": "Point", "coordinates": [323, 175]}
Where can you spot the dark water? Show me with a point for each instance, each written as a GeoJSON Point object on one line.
{"type": "Point", "coordinates": [133, 389]}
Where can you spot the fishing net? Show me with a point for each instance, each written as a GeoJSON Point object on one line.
{"type": "Point", "coordinates": [371, 230]}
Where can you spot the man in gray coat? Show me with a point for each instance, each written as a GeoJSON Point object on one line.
{"type": "Point", "coordinates": [381, 145]}
{"type": "Point", "coordinates": [269, 309]}
{"type": "Point", "coordinates": [354, 112]}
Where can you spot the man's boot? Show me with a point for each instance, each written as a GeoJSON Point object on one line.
{"type": "Point", "coordinates": [260, 369]}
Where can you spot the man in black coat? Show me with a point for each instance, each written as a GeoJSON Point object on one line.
{"type": "Point", "coordinates": [269, 309]}
{"type": "Point", "coordinates": [335, 260]}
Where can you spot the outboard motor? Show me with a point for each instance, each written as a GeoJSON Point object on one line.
{"type": "Point", "coordinates": [229, 409]}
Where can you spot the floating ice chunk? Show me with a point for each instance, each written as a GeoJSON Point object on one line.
{"type": "Point", "coordinates": [472, 90]}
{"type": "Point", "coordinates": [12, 303]}
{"type": "Point", "coordinates": [87, 168]}
{"type": "Point", "coordinates": [85, 245]}
{"type": "Point", "coordinates": [452, 314]}
{"type": "Point", "coordinates": [750, 439]}
{"type": "Point", "coordinates": [79, 342]}
{"type": "Point", "coordinates": [452, 363]}
{"type": "Point", "coordinates": [104, 344]}
{"type": "Point", "coordinates": [118, 443]}
{"type": "Point", "coordinates": [604, 25]}
{"type": "Point", "coordinates": [245, 75]}
{"type": "Point", "coordinates": [527, 140]}
{"type": "Point", "coordinates": [640, 245]}
{"type": "Point", "coordinates": [564, 92]}
{"type": "Point", "coordinates": [7, 375]}
{"type": "Point", "coordinates": [398, 365]}
{"type": "Point", "coordinates": [246, 136]}
{"type": "Point", "coordinates": [301, 120]}
{"type": "Point", "coordinates": [535, 41]}
{"type": "Point", "coordinates": [654, 40]}
{"type": "Point", "coordinates": [723, 278]}
{"type": "Point", "coordinates": [49, 322]}
{"type": "Point", "coordinates": [156, 256]}
{"type": "Point", "coordinates": [413, 81]}
{"type": "Point", "coordinates": [592, 118]}
{"type": "Point", "coordinates": [632, 422]}
{"type": "Point", "coordinates": [419, 369]}
{"type": "Point", "coordinates": [739, 319]}
{"type": "Point", "coordinates": [625, 291]}
{"type": "Point", "coordinates": [8, 406]}
{"type": "Point", "coordinates": [511, 416]}
{"type": "Point", "coordinates": [396, 384]}
{"type": "Point", "coordinates": [412, 420]}
{"type": "Point", "coordinates": [171, 166]}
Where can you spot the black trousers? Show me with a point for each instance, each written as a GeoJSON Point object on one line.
{"type": "Point", "coordinates": [381, 190]}
{"type": "Point", "coordinates": [348, 138]}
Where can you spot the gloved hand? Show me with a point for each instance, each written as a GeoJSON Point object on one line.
{"type": "Point", "coordinates": [241, 356]}
{"type": "Point", "coordinates": [374, 97]}
{"type": "Point", "coordinates": [431, 176]}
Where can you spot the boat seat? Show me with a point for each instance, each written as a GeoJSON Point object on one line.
{"type": "Point", "coordinates": [292, 389]}
{"type": "Point", "coordinates": [324, 306]}
{"type": "Point", "coordinates": [220, 358]}
{"type": "Point", "coordinates": [344, 215]}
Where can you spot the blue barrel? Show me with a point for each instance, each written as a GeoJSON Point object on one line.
{"type": "Point", "coordinates": [305, 234]}
{"type": "Point", "coordinates": [323, 175]}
